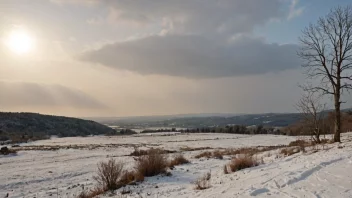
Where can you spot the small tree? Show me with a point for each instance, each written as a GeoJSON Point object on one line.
{"type": "Point", "coordinates": [313, 114]}
{"type": "Point", "coordinates": [327, 55]}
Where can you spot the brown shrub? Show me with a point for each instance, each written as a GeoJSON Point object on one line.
{"type": "Point", "coordinates": [290, 151]}
{"type": "Point", "coordinates": [92, 193]}
{"type": "Point", "coordinates": [243, 162]}
{"type": "Point", "coordinates": [7, 151]}
{"type": "Point", "coordinates": [203, 182]}
{"type": "Point", "coordinates": [152, 164]}
{"type": "Point", "coordinates": [138, 152]}
{"type": "Point", "coordinates": [131, 177]}
{"type": "Point", "coordinates": [218, 154]}
{"type": "Point", "coordinates": [178, 159]}
{"type": "Point", "coordinates": [300, 143]}
{"type": "Point", "coordinates": [109, 174]}
{"type": "Point", "coordinates": [206, 154]}
{"type": "Point", "coordinates": [194, 149]}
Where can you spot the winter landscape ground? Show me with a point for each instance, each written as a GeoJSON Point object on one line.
{"type": "Point", "coordinates": [322, 171]}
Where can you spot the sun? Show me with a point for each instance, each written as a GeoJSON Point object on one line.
{"type": "Point", "coordinates": [20, 42]}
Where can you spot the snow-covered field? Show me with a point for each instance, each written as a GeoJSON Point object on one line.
{"type": "Point", "coordinates": [65, 172]}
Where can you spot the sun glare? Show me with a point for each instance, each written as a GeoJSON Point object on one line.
{"type": "Point", "coordinates": [20, 42]}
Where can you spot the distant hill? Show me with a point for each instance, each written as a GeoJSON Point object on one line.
{"type": "Point", "coordinates": [38, 126]}
{"type": "Point", "coordinates": [189, 121]}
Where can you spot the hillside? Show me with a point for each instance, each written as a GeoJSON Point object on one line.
{"type": "Point", "coordinates": [38, 126]}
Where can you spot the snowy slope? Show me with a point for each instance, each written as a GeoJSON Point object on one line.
{"type": "Point", "coordinates": [64, 173]}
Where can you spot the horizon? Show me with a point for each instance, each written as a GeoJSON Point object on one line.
{"type": "Point", "coordinates": [105, 58]}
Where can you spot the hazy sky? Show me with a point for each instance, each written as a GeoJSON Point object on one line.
{"type": "Point", "coordinates": [153, 57]}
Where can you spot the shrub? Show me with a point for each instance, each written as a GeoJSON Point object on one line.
{"type": "Point", "coordinates": [243, 162]}
{"type": "Point", "coordinates": [206, 154]}
{"type": "Point", "coordinates": [300, 143]}
{"type": "Point", "coordinates": [109, 174]}
{"type": "Point", "coordinates": [290, 151]}
{"type": "Point", "coordinates": [152, 164]}
{"type": "Point", "coordinates": [138, 152]}
{"type": "Point", "coordinates": [178, 160]}
{"type": "Point", "coordinates": [203, 182]}
{"type": "Point", "coordinates": [217, 154]}
{"type": "Point", "coordinates": [92, 193]}
{"type": "Point", "coordinates": [131, 177]}
{"type": "Point", "coordinates": [194, 149]}
{"type": "Point", "coordinates": [7, 151]}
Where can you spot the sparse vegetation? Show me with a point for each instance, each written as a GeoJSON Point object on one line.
{"type": "Point", "coordinates": [218, 154]}
{"type": "Point", "coordinates": [152, 164]}
{"type": "Point", "coordinates": [243, 162]}
{"type": "Point", "coordinates": [109, 174]}
{"type": "Point", "coordinates": [131, 177]}
{"type": "Point", "coordinates": [178, 160]}
{"type": "Point", "coordinates": [138, 152]}
{"type": "Point", "coordinates": [205, 154]}
{"type": "Point", "coordinates": [7, 151]}
{"type": "Point", "coordinates": [203, 182]}
{"type": "Point", "coordinates": [92, 193]}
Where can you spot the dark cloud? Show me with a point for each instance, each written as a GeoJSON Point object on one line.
{"type": "Point", "coordinates": [15, 94]}
{"type": "Point", "coordinates": [195, 56]}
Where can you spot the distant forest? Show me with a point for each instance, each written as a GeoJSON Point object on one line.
{"type": "Point", "coordinates": [20, 127]}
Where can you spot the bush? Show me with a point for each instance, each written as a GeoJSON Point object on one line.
{"type": "Point", "coordinates": [300, 143]}
{"type": "Point", "coordinates": [7, 151]}
{"type": "Point", "coordinates": [290, 151]}
{"type": "Point", "coordinates": [178, 159]}
{"type": "Point", "coordinates": [206, 154]}
{"type": "Point", "coordinates": [152, 164]}
{"type": "Point", "coordinates": [109, 174]}
{"type": "Point", "coordinates": [203, 182]}
{"type": "Point", "coordinates": [91, 194]}
{"type": "Point", "coordinates": [131, 177]}
{"type": "Point", "coordinates": [138, 152]}
{"type": "Point", "coordinates": [217, 155]}
{"type": "Point", "coordinates": [243, 162]}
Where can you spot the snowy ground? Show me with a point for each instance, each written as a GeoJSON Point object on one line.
{"type": "Point", "coordinates": [63, 173]}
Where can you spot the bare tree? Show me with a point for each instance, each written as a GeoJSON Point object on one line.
{"type": "Point", "coordinates": [313, 114]}
{"type": "Point", "coordinates": [327, 56]}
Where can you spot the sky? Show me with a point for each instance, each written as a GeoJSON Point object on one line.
{"type": "Point", "coordinates": [153, 57]}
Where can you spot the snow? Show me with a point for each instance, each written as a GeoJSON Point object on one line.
{"type": "Point", "coordinates": [65, 172]}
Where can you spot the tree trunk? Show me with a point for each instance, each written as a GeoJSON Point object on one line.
{"type": "Point", "coordinates": [337, 131]}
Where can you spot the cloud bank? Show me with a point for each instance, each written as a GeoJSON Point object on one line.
{"type": "Point", "coordinates": [195, 56]}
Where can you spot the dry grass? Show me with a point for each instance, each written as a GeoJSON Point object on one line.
{"type": "Point", "coordinates": [218, 155]}
{"type": "Point", "coordinates": [290, 151]}
{"type": "Point", "coordinates": [7, 151]}
{"type": "Point", "coordinates": [152, 164]}
{"type": "Point", "coordinates": [203, 182]}
{"type": "Point", "coordinates": [109, 174]}
{"type": "Point", "coordinates": [131, 177]}
{"type": "Point", "coordinates": [178, 160]}
{"type": "Point", "coordinates": [194, 149]}
{"type": "Point", "coordinates": [138, 152]}
{"type": "Point", "coordinates": [300, 143]}
{"type": "Point", "coordinates": [243, 162]}
{"type": "Point", "coordinates": [92, 193]}
{"type": "Point", "coordinates": [205, 154]}
{"type": "Point", "coordinates": [326, 141]}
